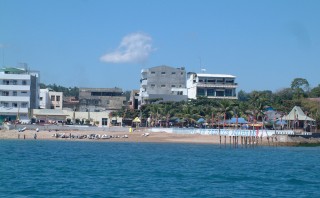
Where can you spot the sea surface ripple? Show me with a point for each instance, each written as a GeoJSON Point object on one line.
{"type": "Point", "coordinates": [30, 168]}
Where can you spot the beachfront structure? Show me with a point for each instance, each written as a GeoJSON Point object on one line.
{"type": "Point", "coordinates": [297, 119]}
{"type": "Point", "coordinates": [19, 92]}
{"type": "Point", "coordinates": [52, 116]}
{"type": "Point", "coordinates": [217, 86]}
{"type": "Point", "coordinates": [101, 99]}
{"type": "Point", "coordinates": [50, 99]}
{"type": "Point", "coordinates": [164, 83]}
{"type": "Point", "coordinates": [93, 118]}
{"type": "Point", "coordinates": [134, 99]}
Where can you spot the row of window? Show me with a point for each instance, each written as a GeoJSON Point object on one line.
{"type": "Point", "coordinates": [14, 104]}
{"type": "Point", "coordinates": [163, 86]}
{"type": "Point", "coordinates": [213, 92]}
{"type": "Point", "coordinates": [163, 73]}
{"type": "Point", "coordinates": [215, 81]}
{"type": "Point", "coordinates": [13, 82]}
{"type": "Point", "coordinates": [106, 93]}
{"type": "Point", "coordinates": [55, 98]}
{"type": "Point", "coordinates": [14, 93]}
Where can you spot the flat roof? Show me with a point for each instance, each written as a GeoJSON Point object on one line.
{"type": "Point", "coordinates": [216, 75]}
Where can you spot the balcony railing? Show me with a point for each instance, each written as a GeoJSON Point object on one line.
{"type": "Point", "coordinates": [217, 85]}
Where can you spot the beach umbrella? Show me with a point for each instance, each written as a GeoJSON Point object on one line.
{"type": "Point", "coordinates": [201, 120]}
{"type": "Point", "coordinates": [136, 120]}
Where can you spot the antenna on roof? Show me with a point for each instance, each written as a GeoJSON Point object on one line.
{"type": "Point", "coordinates": [201, 69]}
{"type": "Point", "coordinates": [200, 63]}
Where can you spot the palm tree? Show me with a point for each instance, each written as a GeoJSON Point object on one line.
{"type": "Point", "coordinates": [225, 107]}
{"type": "Point", "coordinates": [258, 104]}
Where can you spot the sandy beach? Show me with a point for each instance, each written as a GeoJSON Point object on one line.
{"type": "Point", "coordinates": [136, 136]}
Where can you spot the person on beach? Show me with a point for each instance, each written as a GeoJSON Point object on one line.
{"type": "Point", "coordinates": [35, 136]}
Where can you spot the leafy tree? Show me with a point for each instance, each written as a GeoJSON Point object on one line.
{"type": "Point", "coordinates": [243, 96]}
{"type": "Point", "coordinates": [315, 92]}
{"type": "Point", "coordinates": [300, 86]}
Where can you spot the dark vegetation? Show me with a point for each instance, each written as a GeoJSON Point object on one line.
{"type": "Point", "coordinates": [249, 105]}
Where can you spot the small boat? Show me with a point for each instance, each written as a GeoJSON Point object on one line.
{"type": "Point", "coordinates": [23, 129]}
{"type": "Point", "coordinates": [105, 136]}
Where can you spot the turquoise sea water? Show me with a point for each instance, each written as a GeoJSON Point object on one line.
{"type": "Point", "coordinates": [105, 169]}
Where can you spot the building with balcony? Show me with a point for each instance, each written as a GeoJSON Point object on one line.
{"type": "Point", "coordinates": [164, 83]}
{"type": "Point", "coordinates": [101, 99]}
{"type": "Point", "coordinates": [218, 86]}
{"type": "Point", "coordinates": [19, 92]}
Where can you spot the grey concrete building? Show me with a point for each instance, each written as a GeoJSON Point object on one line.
{"type": "Point", "coordinates": [164, 83]}
{"type": "Point", "coordinates": [101, 99]}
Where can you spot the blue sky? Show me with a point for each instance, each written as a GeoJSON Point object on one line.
{"type": "Point", "coordinates": [106, 43]}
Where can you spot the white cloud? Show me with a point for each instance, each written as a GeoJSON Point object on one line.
{"type": "Point", "coordinates": [134, 48]}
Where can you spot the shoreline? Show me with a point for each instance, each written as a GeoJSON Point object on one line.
{"type": "Point", "coordinates": [158, 137]}
{"type": "Point", "coordinates": [113, 136]}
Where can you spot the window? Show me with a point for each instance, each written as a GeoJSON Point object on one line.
{"type": "Point", "coordinates": [228, 92]}
{"type": "Point", "coordinates": [153, 85]}
{"type": "Point", "coordinates": [14, 82]}
{"type": "Point", "coordinates": [6, 82]}
{"type": "Point", "coordinates": [5, 93]}
{"type": "Point", "coordinates": [200, 92]}
{"type": "Point", "coordinates": [14, 93]}
{"type": "Point", "coordinates": [5, 104]}
{"type": "Point", "coordinates": [163, 85]}
{"type": "Point", "coordinates": [52, 98]}
{"type": "Point", "coordinates": [229, 81]}
{"type": "Point", "coordinates": [153, 72]}
{"type": "Point", "coordinates": [182, 73]}
{"type": "Point", "coordinates": [58, 98]}
{"type": "Point", "coordinates": [220, 93]}
{"type": "Point", "coordinates": [15, 105]}
{"type": "Point", "coordinates": [173, 86]}
{"type": "Point", "coordinates": [173, 73]}
{"type": "Point", "coordinates": [24, 92]}
{"type": "Point", "coordinates": [24, 82]}
{"type": "Point", "coordinates": [41, 98]}
{"type": "Point", "coordinates": [24, 105]}
{"type": "Point", "coordinates": [163, 73]}
{"type": "Point", "coordinates": [104, 121]}
{"type": "Point", "coordinates": [210, 92]}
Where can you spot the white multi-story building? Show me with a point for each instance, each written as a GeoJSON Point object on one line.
{"type": "Point", "coordinates": [219, 86]}
{"type": "Point", "coordinates": [44, 99]}
{"type": "Point", "coordinates": [50, 99]}
{"type": "Point", "coordinates": [19, 92]}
